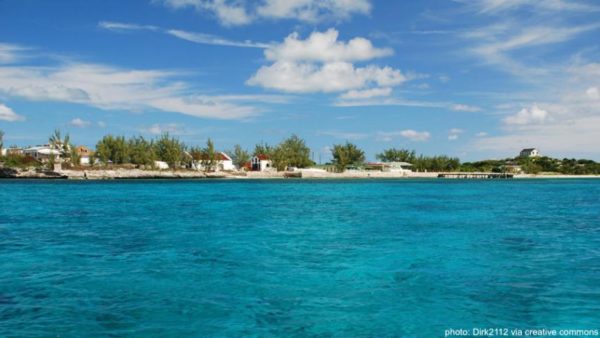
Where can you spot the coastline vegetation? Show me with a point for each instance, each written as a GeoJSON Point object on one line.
{"type": "Point", "coordinates": [143, 153]}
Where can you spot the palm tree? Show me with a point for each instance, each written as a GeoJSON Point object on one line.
{"type": "Point", "coordinates": [63, 145]}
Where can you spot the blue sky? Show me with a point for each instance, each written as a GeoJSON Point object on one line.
{"type": "Point", "coordinates": [473, 79]}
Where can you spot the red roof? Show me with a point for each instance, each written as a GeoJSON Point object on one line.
{"type": "Point", "coordinates": [263, 157]}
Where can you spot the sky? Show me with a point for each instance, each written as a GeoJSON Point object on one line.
{"type": "Point", "coordinates": [475, 79]}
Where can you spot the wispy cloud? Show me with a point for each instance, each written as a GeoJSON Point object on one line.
{"type": "Point", "coordinates": [113, 88]}
{"type": "Point", "coordinates": [80, 123]}
{"type": "Point", "coordinates": [213, 40]}
{"type": "Point", "coordinates": [236, 12]}
{"type": "Point", "coordinates": [7, 114]}
{"type": "Point", "coordinates": [10, 53]}
{"type": "Point", "coordinates": [412, 135]}
{"type": "Point", "coordinates": [454, 133]}
{"type": "Point", "coordinates": [494, 43]}
{"type": "Point", "coordinates": [171, 128]}
{"type": "Point", "coordinates": [195, 37]}
{"type": "Point", "coordinates": [120, 26]}
{"type": "Point", "coordinates": [499, 6]}
{"type": "Point", "coordinates": [343, 135]}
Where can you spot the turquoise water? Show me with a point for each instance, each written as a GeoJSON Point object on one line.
{"type": "Point", "coordinates": [380, 258]}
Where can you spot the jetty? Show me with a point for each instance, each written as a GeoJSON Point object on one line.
{"type": "Point", "coordinates": [465, 175]}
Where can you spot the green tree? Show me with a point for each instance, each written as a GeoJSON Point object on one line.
{"type": "Point", "coordinates": [141, 151]}
{"type": "Point", "coordinates": [397, 155]}
{"type": "Point", "coordinates": [170, 150]}
{"type": "Point", "coordinates": [240, 156]}
{"type": "Point", "coordinates": [112, 149]}
{"type": "Point", "coordinates": [347, 154]}
{"type": "Point", "coordinates": [209, 158]}
{"type": "Point", "coordinates": [1, 141]}
{"type": "Point", "coordinates": [291, 152]}
{"type": "Point", "coordinates": [63, 145]}
{"type": "Point", "coordinates": [263, 149]}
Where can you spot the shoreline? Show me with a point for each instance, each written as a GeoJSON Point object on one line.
{"type": "Point", "coordinates": [133, 174]}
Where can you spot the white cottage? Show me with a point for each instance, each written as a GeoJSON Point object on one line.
{"type": "Point", "coordinates": [223, 162]}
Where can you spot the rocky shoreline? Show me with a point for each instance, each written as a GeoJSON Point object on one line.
{"type": "Point", "coordinates": [110, 174]}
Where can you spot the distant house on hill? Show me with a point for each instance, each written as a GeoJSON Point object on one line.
{"type": "Point", "coordinates": [529, 152]}
{"type": "Point", "coordinates": [84, 155]}
{"type": "Point", "coordinates": [261, 162]}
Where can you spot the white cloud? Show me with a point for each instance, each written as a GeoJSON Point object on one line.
{"type": "Point", "coordinates": [343, 135]}
{"type": "Point", "coordinates": [108, 87]}
{"type": "Point", "coordinates": [465, 108]}
{"type": "Point", "coordinates": [7, 114]}
{"type": "Point", "coordinates": [322, 64]}
{"type": "Point", "coordinates": [593, 93]}
{"type": "Point", "coordinates": [526, 116]}
{"type": "Point", "coordinates": [101, 124]}
{"type": "Point", "coordinates": [80, 123]}
{"type": "Point", "coordinates": [313, 10]}
{"type": "Point", "coordinates": [324, 47]}
{"type": "Point", "coordinates": [242, 12]}
{"type": "Point", "coordinates": [413, 135]}
{"type": "Point", "coordinates": [229, 13]}
{"type": "Point", "coordinates": [366, 94]}
{"type": "Point", "coordinates": [454, 134]}
{"type": "Point", "coordinates": [331, 77]}
{"type": "Point", "coordinates": [157, 129]}
{"type": "Point", "coordinates": [481, 134]}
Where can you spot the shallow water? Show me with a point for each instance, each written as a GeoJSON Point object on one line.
{"type": "Point", "coordinates": [406, 258]}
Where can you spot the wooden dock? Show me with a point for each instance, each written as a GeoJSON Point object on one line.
{"type": "Point", "coordinates": [483, 176]}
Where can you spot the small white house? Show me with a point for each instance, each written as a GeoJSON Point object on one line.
{"type": "Point", "coordinates": [42, 153]}
{"type": "Point", "coordinates": [224, 162]}
{"type": "Point", "coordinates": [261, 162]}
{"type": "Point", "coordinates": [529, 152]}
{"type": "Point", "coordinates": [3, 152]}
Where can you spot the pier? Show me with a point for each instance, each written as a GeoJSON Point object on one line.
{"type": "Point", "coordinates": [476, 175]}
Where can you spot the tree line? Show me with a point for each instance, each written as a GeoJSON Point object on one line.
{"type": "Point", "coordinates": [290, 152]}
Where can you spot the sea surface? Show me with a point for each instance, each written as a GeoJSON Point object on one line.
{"type": "Point", "coordinates": [297, 258]}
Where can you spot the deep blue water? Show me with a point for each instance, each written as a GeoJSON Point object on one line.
{"type": "Point", "coordinates": [380, 258]}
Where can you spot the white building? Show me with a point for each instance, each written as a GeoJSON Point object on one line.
{"type": "Point", "coordinates": [223, 162]}
{"type": "Point", "coordinates": [42, 153]}
{"type": "Point", "coordinates": [3, 152]}
{"type": "Point", "coordinates": [400, 167]}
{"type": "Point", "coordinates": [529, 152]}
{"type": "Point", "coordinates": [261, 162]}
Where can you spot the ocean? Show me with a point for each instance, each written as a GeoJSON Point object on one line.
{"type": "Point", "coordinates": [297, 258]}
